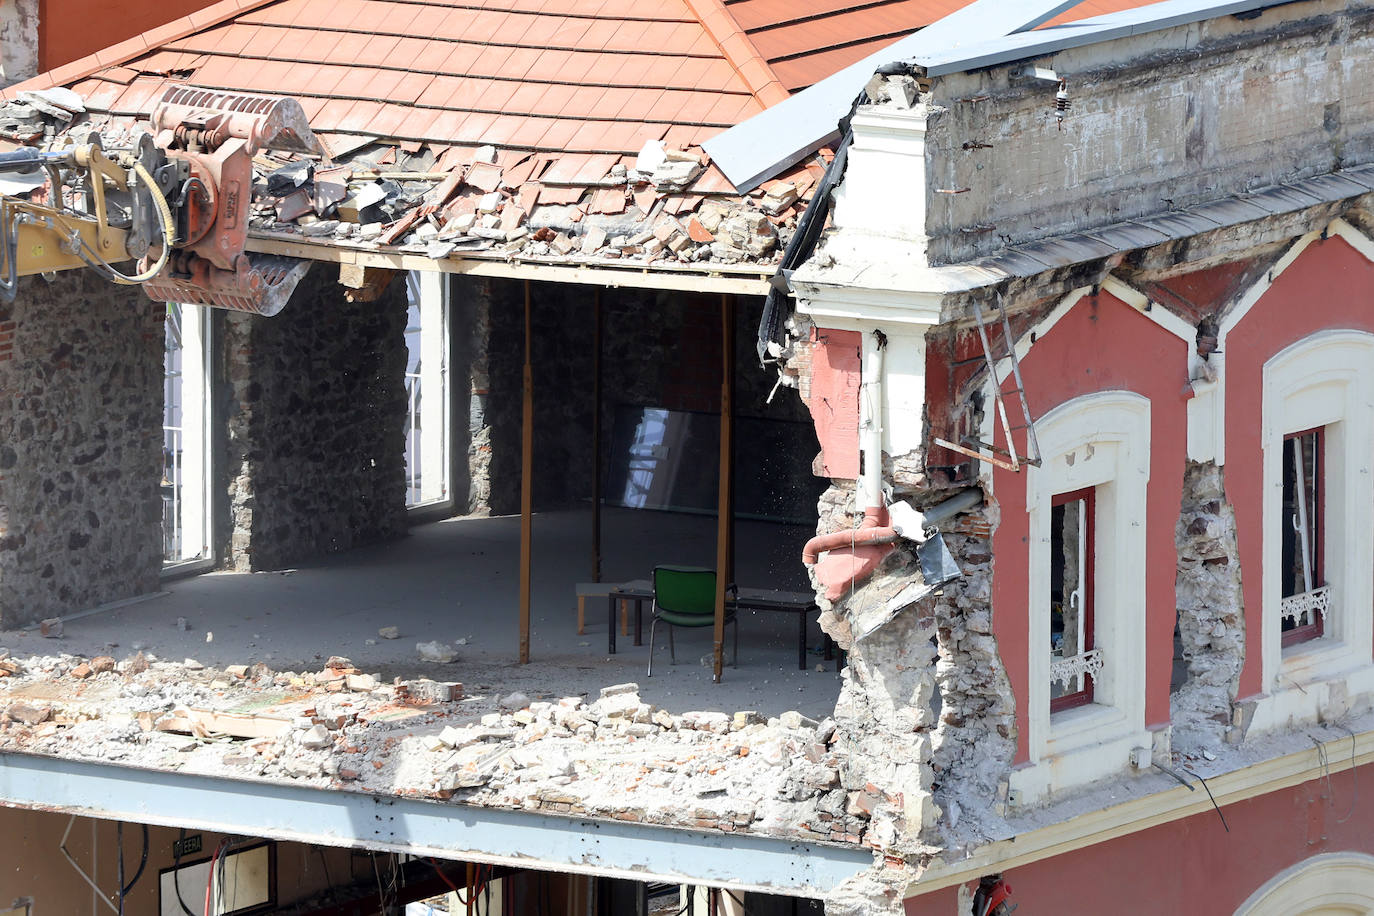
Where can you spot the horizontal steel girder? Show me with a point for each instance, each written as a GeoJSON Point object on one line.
{"type": "Point", "coordinates": [335, 817]}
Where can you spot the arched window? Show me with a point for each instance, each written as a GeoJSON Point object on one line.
{"type": "Point", "coordinates": [1087, 521]}
{"type": "Point", "coordinates": [1325, 885]}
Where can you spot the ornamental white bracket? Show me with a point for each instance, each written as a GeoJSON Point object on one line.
{"type": "Point", "coordinates": [1070, 670]}
{"type": "Point", "coordinates": [1293, 608]}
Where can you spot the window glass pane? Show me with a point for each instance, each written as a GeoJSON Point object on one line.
{"type": "Point", "coordinates": [1300, 528]}
{"type": "Point", "coordinates": [1071, 638]}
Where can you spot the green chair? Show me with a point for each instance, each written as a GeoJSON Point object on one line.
{"type": "Point", "coordinates": [685, 596]}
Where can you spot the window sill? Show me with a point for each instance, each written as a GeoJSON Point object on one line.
{"type": "Point", "coordinates": [1068, 726]}
{"type": "Point", "coordinates": [1315, 660]}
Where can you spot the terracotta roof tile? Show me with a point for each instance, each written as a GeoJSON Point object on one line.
{"type": "Point", "coordinates": [582, 84]}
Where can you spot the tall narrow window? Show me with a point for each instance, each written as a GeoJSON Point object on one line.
{"type": "Point", "coordinates": [186, 436]}
{"type": "Point", "coordinates": [428, 404]}
{"type": "Point", "coordinates": [1074, 662]}
{"type": "Point", "coordinates": [1306, 597]}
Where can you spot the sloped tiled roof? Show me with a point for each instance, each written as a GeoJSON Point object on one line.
{"type": "Point", "coordinates": [568, 92]}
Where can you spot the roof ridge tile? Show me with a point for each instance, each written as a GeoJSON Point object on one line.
{"type": "Point", "coordinates": [739, 50]}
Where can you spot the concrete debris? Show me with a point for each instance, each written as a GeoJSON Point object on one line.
{"type": "Point", "coordinates": [316, 738]}
{"type": "Point", "coordinates": [616, 757]}
{"type": "Point", "coordinates": [389, 632]}
{"type": "Point", "coordinates": [51, 628]}
{"type": "Point", "coordinates": [435, 652]}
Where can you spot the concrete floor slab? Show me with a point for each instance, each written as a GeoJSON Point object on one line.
{"type": "Point", "coordinates": [457, 580]}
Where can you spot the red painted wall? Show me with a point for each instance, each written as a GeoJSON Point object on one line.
{"type": "Point", "coordinates": [70, 29]}
{"type": "Point", "coordinates": [834, 400]}
{"type": "Point", "coordinates": [1193, 866]}
{"type": "Point", "coordinates": [1313, 294]}
{"type": "Point", "coordinates": [1102, 344]}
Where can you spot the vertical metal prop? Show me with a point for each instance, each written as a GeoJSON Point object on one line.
{"type": "Point", "coordinates": [596, 436]}
{"type": "Point", "coordinates": [725, 504]}
{"type": "Point", "coordinates": [526, 483]}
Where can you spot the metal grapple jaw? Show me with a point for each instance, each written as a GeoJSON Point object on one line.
{"type": "Point", "coordinates": [260, 284]}
{"type": "Point", "coordinates": [215, 134]}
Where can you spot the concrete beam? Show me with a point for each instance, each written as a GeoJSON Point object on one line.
{"type": "Point", "coordinates": [335, 817]}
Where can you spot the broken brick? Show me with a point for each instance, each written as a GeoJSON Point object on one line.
{"type": "Point", "coordinates": [697, 232]}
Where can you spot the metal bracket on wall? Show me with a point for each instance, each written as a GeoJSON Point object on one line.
{"type": "Point", "coordinates": [1007, 458]}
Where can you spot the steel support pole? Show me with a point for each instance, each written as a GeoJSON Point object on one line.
{"type": "Point", "coordinates": [527, 482]}
{"type": "Point", "coordinates": [725, 503]}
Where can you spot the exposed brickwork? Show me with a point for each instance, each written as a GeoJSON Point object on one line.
{"type": "Point", "coordinates": [80, 446]}
{"type": "Point", "coordinates": [316, 407]}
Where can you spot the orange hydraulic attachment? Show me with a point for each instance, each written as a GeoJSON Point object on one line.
{"type": "Point", "coordinates": [217, 134]}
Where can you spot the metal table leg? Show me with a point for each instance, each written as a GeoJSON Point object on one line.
{"type": "Point", "coordinates": [610, 624]}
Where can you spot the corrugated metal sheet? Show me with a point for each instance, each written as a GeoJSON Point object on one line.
{"type": "Point", "coordinates": [1063, 251]}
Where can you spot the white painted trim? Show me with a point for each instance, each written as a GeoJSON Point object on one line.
{"type": "Point", "coordinates": [1324, 380]}
{"type": "Point", "coordinates": [1099, 440]}
{"type": "Point", "coordinates": [1237, 313]}
{"type": "Point", "coordinates": [436, 413]}
{"type": "Point", "coordinates": [1146, 306]}
{"type": "Point", "coordinates": [862, 306]}
{"type": "Point", "coordinates": [1121, 290]}
{"type": "Point", "coordinates": [1339, 880]}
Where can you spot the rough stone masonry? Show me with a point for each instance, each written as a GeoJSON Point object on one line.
{"type": "Point", "coordinates": [80, 445]}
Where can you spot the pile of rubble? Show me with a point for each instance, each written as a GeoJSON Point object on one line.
{"type": "Point", "coordinates": [615, 757]}
{"type": "Point", "coordinates": [641, 210]}
{"type": "Point", "coordinates": [665, 206]}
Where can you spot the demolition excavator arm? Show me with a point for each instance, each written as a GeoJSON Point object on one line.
{"type": "Point", "coordinates": [175, 201]}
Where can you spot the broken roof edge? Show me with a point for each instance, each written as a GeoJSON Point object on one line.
{"type": "Point", "coordinates": [1140, 21]}
{"type": "Point", "coordinates": [720, 278]}
{"type": "Point", "coordinates": [762, 146]}
{"type": "Point", "coordinates": [851, 284]}
{"type": "Point", "coordinates": [137, 46]}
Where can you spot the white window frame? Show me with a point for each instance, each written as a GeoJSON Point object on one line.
{"type": "Point", "coordinates": [1324, 380]}
{"type": "Point", "coordinates": [430, 291]}
{"type": "Point", "coordinates": [197, 452]}
{"type": "Point", "coordinates": [1099, 440]}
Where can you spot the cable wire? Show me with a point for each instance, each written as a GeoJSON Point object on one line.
{"type": "Point", "coordinates": [97, 261]}
{"type": "Point", "coordinates": [176, 874]}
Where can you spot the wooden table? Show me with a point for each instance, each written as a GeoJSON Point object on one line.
{"type": "Point", "coordinates": [639, 591]}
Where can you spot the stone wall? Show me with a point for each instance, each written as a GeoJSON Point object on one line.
{"type": "Point", "coordinates": [975, 740]}
{"type": "Point", "coordinates": [315, 407]}
{"type": "Point", "coordinates": [80, 446]}
{"type": "Point", "coordinates": [1211, 612]}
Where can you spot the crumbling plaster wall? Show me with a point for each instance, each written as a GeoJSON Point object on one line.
{"type": "Point", "coordinates": [18, 40]}
{"type": "Point", "coordinates": [315, 418]}
{"type": "Point", "coordinates": [80, 446]}
{"type": "Point", "coordinates": [1211, 612]}
{"type": "Point", "coordinates": [1207, 110]}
